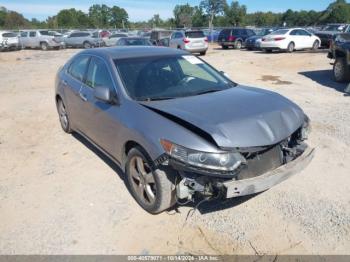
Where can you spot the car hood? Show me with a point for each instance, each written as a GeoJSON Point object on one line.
{"type": "Point", "coordinates": [237, 117]}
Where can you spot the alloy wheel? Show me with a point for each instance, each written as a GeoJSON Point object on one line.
{"type": "Point", "coordinates": [142, 180]}
{"type": "Point", "coordinates": [63, 115]}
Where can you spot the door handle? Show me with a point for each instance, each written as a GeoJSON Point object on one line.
{"type": "Point", "coordinates": [64, 82]}
{"type": "Point", "coordinates": [83, 97]}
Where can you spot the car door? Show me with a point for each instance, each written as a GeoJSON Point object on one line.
{"type": "Point", "coordinates": [297, 38]}
{"type": "Point", "coordinates": [101, 123]}
{"type": "Point", "coordinates": [24, 39]}
{"type": "Point", "coordinates": [308, 40]}
{"type": "Point", "coordinates": [32, 39]}
{"type": "Point", "coordinates": [73, 81]}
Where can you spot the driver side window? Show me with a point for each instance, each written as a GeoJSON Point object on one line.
{"type": "Point", "coordinates": [98, 75]}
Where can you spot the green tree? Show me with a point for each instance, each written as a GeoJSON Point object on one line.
{"type": "Point", "coordinates": [183, 15]}
{"type": "Point", "coordinates": [118, 17]}
{"type": "Point", "coordinates": [235, 13]}
{"type": "Point", "coordinates": [15, 20]}
{"type": "Point", "coordinates": [100, 15]}
{"type": "Point", "coordinates": [3, 14]}
{"type": "Point", "coordinates": [198, 18]}
{"type": "Point", "coordinates": [213, 8]}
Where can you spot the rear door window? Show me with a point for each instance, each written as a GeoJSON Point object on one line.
{"type": "Point", "coordinates": [24, 34]}
{"type": "Point", "coordinates": [9, 35]}
{"type": "Point", "coordinates": [195, 34]}
{"type": "Point", "coordinates": [32, 34]}
{"type": "Point", "coordinates": [78, 67]}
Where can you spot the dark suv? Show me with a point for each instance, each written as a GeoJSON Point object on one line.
{"type": "Point", "coordinates": [330, 31]}
{"type": "Point", "coordinates": [234, 37]}
{"type": "Point", "coordinates": [340, 52]}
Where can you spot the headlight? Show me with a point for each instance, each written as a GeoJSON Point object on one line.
{"type": "Point", "coordinates": [306, 128]}
{"type": "Point", "coordinates": [225, 161]}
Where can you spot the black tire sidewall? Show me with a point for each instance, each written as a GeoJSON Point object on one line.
{"type": "Point", "coordinates": [346, 71]}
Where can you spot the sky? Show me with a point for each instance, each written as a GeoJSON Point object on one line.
{"type": "Point", "coordinates": [140, 10]}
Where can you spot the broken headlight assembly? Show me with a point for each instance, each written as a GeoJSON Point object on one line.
{"type": "Point", "coordinates": [223, 161]}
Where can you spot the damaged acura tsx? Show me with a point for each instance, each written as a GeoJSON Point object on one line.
{"type": "Point", "coordinates": [179, 128]}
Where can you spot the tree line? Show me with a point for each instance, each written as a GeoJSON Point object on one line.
{"type": "Point", "coordinates": [208, 13]}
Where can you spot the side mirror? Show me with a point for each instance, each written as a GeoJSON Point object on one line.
{"type": "Point", "coordinates": [104, 94]}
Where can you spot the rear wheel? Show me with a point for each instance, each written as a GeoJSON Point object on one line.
{"type": "Point", "coordinates": [153, 190]}
{"type": "Point", "coordinates": [63, 116]}
{"type": "Point", "coordinates": [316, 45]}
{"type": "Point", "coordinates": [224, 47]}
{"type": "Point", "coordinates": [290, 47]}
{"type": "Point", "coordinates": [202, 53]}
{"type": "Point", "coordinates": [44, 46]}
{"type": "Point", "coordinates": [341, 70]}
{"type": "Point", "coordinates": [238, 44]}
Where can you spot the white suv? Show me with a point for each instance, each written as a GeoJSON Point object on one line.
{"type": "Point", "coordinates": [9, 41]}
{"type": "Point", "coordinates": [191, 41]}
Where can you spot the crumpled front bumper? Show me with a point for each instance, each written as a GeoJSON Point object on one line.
{"type": "Point", "coordinates": [238, 188]}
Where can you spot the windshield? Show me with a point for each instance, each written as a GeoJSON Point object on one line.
{"type": "Point", "coordinates": [280, 32]}
{"type": "Point", "coordinates": [157, 78]}
{"type": "Point", "coordinates": [333, 28]}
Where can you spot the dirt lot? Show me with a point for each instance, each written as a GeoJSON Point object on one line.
{"type": "Point", "coordinates": [58, 195]}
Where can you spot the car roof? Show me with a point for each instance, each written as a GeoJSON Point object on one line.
{"type": "Point", "coordinates": [133, 52]}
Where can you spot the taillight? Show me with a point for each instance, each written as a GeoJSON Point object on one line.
{"type": "Point", "coordinates": [231, 38]}
{"type": "Point", "coordinates": [264, 39]}
{"type": "Point", "coordinates": [186, 41]}
{"type": "Point", "coordinates": [206, 39]}
{"type": "Point", "coordinates": [279, 38]}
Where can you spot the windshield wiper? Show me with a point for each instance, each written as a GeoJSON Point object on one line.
{"type": "Point", "coordinates": [208, 91]}
{"type": "Point", "coordinates": [156, 98]}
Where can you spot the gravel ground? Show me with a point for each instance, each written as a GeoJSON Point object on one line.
{"type": "Point", "coordinates": [58, 195]}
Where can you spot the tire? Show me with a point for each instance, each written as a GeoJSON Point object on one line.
{"type": "Point", "coordinates": [316, 45]}
{"type": "Point", "coordinates": [225, 47]}
{"type": "Point", "coordinates": [290, 48]}
{"type": "Point", "coordinates": [44, 46]}
{"type": "Point", "coordinates": [249, 49]}
{"type": "Point", "coordinates": [153, 190]}
{"type": "Point", "coordinates": [63, 117]}
{"type": "Point", "coordinates": [202, 53]}
{"type": "Point", "coordinates": [267, 50]}
{"type": "Point", "coordinates": [341, 71]}
{"type": "Point", "coordinates": [238, 44]}
{"type": "Point", "coordinates": [86, 45]}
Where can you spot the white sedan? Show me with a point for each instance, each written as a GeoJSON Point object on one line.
{"type": "Point", "coordinates": [290, 40]}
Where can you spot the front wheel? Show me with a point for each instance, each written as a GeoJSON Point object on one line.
{"type": "Point", "coordinates": [341, 70]}
{"type": "Point", "coordinates": [224, 47]}
{"type": "Point", "coordinates": [153, 190]}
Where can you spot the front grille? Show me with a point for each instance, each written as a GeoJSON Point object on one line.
{"type": "Point", "coordinates": [261, 162]}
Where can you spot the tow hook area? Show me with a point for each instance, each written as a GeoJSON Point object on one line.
{"type": "Point", "coordinates": [188, 187]}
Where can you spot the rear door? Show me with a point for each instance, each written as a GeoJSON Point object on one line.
{"type": "Point", "coordinates": [73, 83]}
{"type": "Point", "coordinates": [32, 39]}
{"type": "Point", "coordinates": [24, 39]}
{"type": "Point", "coordinates": [308, 40]}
